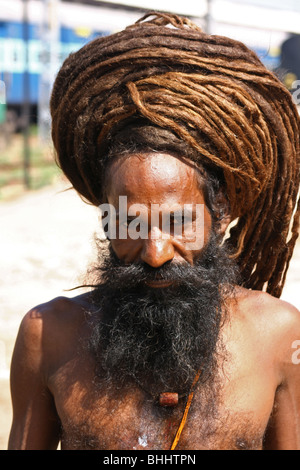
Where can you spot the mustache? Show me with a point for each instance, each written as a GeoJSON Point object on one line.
{"type": "Point", "coordinates": [137, 275]}
{"type": "Point", "coordinates": [114, 274]}
{"type": "Point", "coordinates": [159, 336]}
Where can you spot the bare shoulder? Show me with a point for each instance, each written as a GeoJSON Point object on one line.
{"type": "Point", "coordinates": [49, 328]}
{"type": "Point", "coordinates": [275, 321]}
{"type": "Point", "coordinates": [57, 312]}
{"type": "Point", "coordinates": [259, 305]}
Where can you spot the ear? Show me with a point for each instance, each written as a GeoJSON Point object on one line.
{"type": "Point", "coordinates": [222, 214]}
{"type": "Point", "coordinates": [222, 224]}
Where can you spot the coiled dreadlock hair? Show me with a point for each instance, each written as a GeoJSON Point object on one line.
{"type": "Point", "coordinates": [211, 94]}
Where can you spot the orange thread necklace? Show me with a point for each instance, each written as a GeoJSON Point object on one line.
{"type": "Point", "coordinates": [185, 414]}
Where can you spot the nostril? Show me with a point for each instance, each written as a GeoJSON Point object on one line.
{"type": "Point", "coordinates": [157, 252]}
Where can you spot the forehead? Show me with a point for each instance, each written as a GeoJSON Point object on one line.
{"type": "Point", "coordinates": [153, 176]}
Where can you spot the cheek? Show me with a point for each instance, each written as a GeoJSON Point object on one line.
{"type": "Point", "coordinates": [207, 224]}
{"type": "Point", "coordinates": [196, 234]}
{"type": "Point", "coordinates": [126, 250]}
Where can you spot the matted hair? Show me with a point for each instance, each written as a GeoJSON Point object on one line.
{"type": "Point", "coordinates": [209, 92]}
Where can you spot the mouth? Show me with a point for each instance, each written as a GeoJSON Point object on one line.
{"type": "Point", "coordinates": [159, 283]}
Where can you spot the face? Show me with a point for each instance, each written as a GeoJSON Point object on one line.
{"type": "Point", "coordinates": [157, 186]}
{"type": "Point", "coordinates": [159, 302]}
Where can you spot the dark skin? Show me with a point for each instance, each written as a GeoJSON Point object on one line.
{"type": "Point", "coordinates": [52, 380]}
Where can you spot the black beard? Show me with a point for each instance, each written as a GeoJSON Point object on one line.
{"type": "Point", "coordinates": [160, 337]}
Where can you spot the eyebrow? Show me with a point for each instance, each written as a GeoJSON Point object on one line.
{"type": "Point", "coordinates": [182, 209]}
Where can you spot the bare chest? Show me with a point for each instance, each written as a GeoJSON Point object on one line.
{"type": "Point", "coordinates": [226, 417]}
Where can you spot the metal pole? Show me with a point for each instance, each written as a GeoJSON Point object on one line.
{"type": "Point", "coordinates": [208, 19]}
{"type": "Point", "coordinates": [26, 98]}
{"type": "Point", "coordinates": [50, 34]}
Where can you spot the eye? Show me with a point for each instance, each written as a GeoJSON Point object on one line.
{"type": "Point", "coordinates": [188, 220]}
{"type": "Point", "coordinates": [181, 219]}
{"type": "Point", "coordinates": [124, 222]}
{"type": "Point", "coordinates": [177, 220]}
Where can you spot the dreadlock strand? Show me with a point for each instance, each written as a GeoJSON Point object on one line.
{"type": "Point", "coordinates": [219, 105]}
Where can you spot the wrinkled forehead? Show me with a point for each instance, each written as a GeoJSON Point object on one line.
{"type": "Point", "coordinates": [151, 173]}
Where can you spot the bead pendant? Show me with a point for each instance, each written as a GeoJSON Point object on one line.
{"type": "Point", "coordinates": [168, 399]}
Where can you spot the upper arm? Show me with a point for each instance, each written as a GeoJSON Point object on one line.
{"type": "Point", "coordinates": [35, 424]}
{"type": "Point", "coordinates": [283, 431]}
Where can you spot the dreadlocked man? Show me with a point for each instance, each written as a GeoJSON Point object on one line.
{"type": "Point", "coordinates": [191, 147]}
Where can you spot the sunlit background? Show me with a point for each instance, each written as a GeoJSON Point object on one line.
{"type": "Point", "coordinates": [46, 232]}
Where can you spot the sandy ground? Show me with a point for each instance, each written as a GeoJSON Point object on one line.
{"type": "Point", "coordinates": [45, 245]}
{"type": "Point", "coordinates": [46, 241]}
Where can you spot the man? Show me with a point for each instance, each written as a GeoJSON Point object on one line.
{"type": "Point", "coordinates": [182, 342]}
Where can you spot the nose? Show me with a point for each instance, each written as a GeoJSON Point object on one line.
{"type": "Point", "coordinates": [157, 251]}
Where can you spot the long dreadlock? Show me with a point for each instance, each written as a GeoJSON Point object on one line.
{"type": "Point", "coordinates": [213, 94]}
